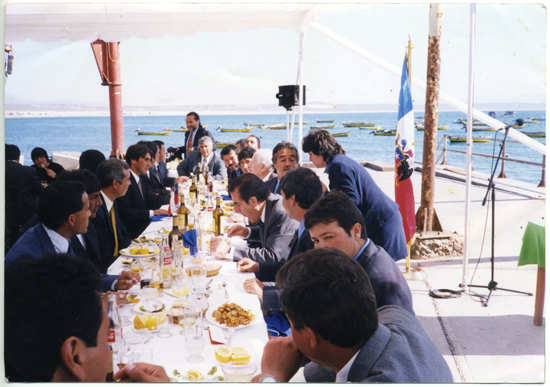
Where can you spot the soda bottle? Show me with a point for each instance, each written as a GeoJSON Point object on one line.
{"type": "Point", "coordinates": [165, 263]}
{"type": "Point", "coordinates": [115, 332]}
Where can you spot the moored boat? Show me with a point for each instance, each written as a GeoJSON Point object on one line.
{"type": "Point", "coordinates": [343, 134]}
{"type": "Point", "coordinates": [355, 124]}
{"type": "Point", "coordinates": [535, 134]}
{"type": "Point", "coordinates": [385, 132]}
{"type": "Point", "coordinates": [463, 139]}
{"type": "Point", "coordinates": [324, 121]}
{"type": "Point", "coordinates": [163, 133]}
{"type": "Point", "coordinates": [279, 126]}
{"type": "Point", "coordinates": [322, 127]}
{"type": "Point", "coordinates": [220, 145]}
{"type": "Point", "coordinates": [486, 129]}
{"type": "Point", "coordinates": [531, 121]}
{"type": "Point", "coordinates": [244, 130]}
{"type": "Point", "coordinates": [375, 128]}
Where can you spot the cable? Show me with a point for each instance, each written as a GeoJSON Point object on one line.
{"type": "Point", "coordinates": [445, 293]}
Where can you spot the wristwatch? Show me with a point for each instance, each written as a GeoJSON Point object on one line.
{"type": "Point", "coordinates": [269, 379]}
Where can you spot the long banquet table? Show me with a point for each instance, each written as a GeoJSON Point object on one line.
{"type": "Point", "coordinates": [170, 352]}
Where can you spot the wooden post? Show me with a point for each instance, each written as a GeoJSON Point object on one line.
{"type": "Point", "coordinates": [543, 179]}
{"type": "Point", "coordinates": [107, 56]}
{"type": "Point", "coordinates": [430, 221]}
{"type": "Point", "coordinates": [502, 174]}
{"type": "Point", "coordinates": [539, 296]}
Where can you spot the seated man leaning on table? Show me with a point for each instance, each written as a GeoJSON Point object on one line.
{"type": "Point", "coordinates": [206, 157]}
{"type": "Point", "coordinates": [334, 321]}
{"type": "Point", "coordinates": [56, 325]}
{"type": "Point", "coordinates": [270, 224]}
{"type": "Point", "coordinates": [63, 212]}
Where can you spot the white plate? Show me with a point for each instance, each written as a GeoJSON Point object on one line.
{"type": "Point", "coordinates": [213, 321]}
{"type": "Point", "coordinates": [145, 302]}
{"type": "Point", "coordinates": [126, 252]}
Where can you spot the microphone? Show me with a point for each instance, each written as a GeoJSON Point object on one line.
{"type": "Point", "coordinates": [518, 122]}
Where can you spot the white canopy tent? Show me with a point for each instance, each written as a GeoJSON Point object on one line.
{"type": "Point", "coordinates": [117, 22]}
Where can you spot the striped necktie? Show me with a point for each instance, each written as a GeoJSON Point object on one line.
{"type": "Point", "coordinates": [113, 223]}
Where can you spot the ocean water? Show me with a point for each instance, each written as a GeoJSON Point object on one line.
{"type": "Point", "coordinates": [78, 134]}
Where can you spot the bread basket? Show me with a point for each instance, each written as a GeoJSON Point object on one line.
{"type": "Point", "coordinates": [212, 268]}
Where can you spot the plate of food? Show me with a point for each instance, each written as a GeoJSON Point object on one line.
{"type": "Point", "coordinates": [137, 252]}
{"type": "Point", "coordinates": [150, 306]}
{"type": "Point", "coordinates": [231, 315]}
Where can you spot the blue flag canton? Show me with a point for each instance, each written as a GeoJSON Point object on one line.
{"type": "Point", "coordinates": [405, 97]}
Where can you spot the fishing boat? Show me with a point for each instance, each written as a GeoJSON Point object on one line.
{"type": "Point", "coordinates": [322, 127]}
{"type": "Point", "coordinates": [463, 139]}
{"type": "Point", "coordinates": [244, 130]}
{"type": "Point", "coordinates": [343, 134]}
{"type": "Point", "coordinates": [536, 118]}
{"type": "Point", "coordinates": [535, 134]}
{"type": "Point", "coordinates": [355, 124]}
{"type": "Point", "coordinates": [528, 121]}
{"type": "Point", "coordinates": [279, 126]}
{"type": "Point", "coordinates": [375, 128]}
{"type": "Point", "coordinates": [486, 129]}
{"type": "Point", "coordinates": [253, 124]}
{"type": "Point", "coordinates": [421, 128]}
{"type": "Point", "coordinates": [220, 145]}
{"type": "Point", "coordinates": [179, 130]}
{"type": "Point", "coordinates": [385, 132]}
{"type": "Point", "coordinates": [319, 121]}
{"type": "Point", "coordinates": [163, 133]}
{"type": "Point", "coordinates": [518, 126]}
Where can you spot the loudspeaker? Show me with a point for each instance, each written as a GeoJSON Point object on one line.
{"type": "Point", "coordinates": [288, 95]}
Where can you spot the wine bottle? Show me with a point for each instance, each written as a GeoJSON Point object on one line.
{"type": "Point", "coordinates": [193, 191]}
{"type": "Point", "coordinates": [183, 215]}
{"type": "Point", "coordinates": [199, 173]}
{"type": "Point", "coordinates": [217, 217]}
{"type": "Point", "coordinates": [207, 178]}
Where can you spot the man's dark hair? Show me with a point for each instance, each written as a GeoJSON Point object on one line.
{"type": "Point", "coordinates": [283, 145]}
{"type": "Point", "coordinates": [153, 147]}
{"type": "Point", "coordinates": [84, 176]}
{"type": "Point", "coordinates": [39, 152]}
{"type": "Point", "coordinates": [59, 200]}
{"type": "Point", "coordinates": [330, 293]}
{"type": "Point", "coordinates": [250, 185]}
{"type": "Point", "coordinates": [159, 143]}
{"type": "Point", "coordinates": [90, 159]}
{"type": "Point", "coordinates": [321, 143]}
{"type": "Point", "coordinates": [109, 170]}
{"type": "Point", "coordinates": [305, 184]}
{"type": "Point", "coordinates": [335, 206]}
{"type": "Point", "coordinates": [197, 118]}
{"type": "Point", "coordinates": [12, 152]}
{"type": "Point", "coordinates": [227, 150]}
{"type": "Point", "coordinates": [240, 143]}
{"type": "Point", "coordinates": [135, 152]}
{"type": "Point", "coordinates": [256, 137]}
{"type": "Point", "coordinates": [246, 153]}
{"type": "Point", "coordinates": [48, 300]}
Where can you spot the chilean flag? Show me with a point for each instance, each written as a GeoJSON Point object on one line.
{"type": "Point", "coordinates": [404, 156]}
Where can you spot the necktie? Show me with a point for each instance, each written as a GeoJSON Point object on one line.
{"type": "Point", "coordinates": [70, 248]}
{"type": "Point", "coordinates": [261, 225]}
{"type": "Point", "coordinates": [203, 165]}
{"type": "Point", "coordinates": [113, 223]}
{"type": "Point", "coordinates": [156, 172]}
{"type": "Point", "coordinates": [189, 143]}
{"type": "Point", "coordinates": [139, 186]}
{"type": "Point", "coordinates": [294, 241]}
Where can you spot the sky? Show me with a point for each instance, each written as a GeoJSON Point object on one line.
{"type": "Point", "coordinates": [235, 68]}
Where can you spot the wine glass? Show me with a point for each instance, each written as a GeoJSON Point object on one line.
{"type": "Point", "coordinates": [194, 338]}
{"type": "Point", "coordinates": [150, 292]}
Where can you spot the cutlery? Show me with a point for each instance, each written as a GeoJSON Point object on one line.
{"type": "Point", "coordinates": [171, 295]}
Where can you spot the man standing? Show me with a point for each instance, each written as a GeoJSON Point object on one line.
{"type": "Point", "coordinates": [114, 179]}
{"type": "Point", "coordinates": [273, 229]}
{"type": "Point", "coordinates": [206, 157]}
{"type": "Point", "coordinates": [285, 157]}
{"type": "Point", "coordinates": [334, 321]}
{"type": "Point", "coordinates": [261, 165]}
{"type": "Point", "coordinates": [382, 218]}
{"type": "Point", "coordinates": [22, 188]}
{"type": "Point", "coordinates": [132, 207]}
{"type": "Point", "coordinates": [195, 131]}
{"type": "Point", "coordinates": [231, 161]}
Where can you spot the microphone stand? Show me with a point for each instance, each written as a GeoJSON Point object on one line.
{"type": "Point", "coordinates": [491, 188]}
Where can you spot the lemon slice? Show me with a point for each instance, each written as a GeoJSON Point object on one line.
{"type": "Point", "coordinates": [138, 323]}
{"type": "Point", "coordinates": [196, 374]}
{"type": "Point", "coordinates": [223, 354]}
{"type": "Point", "coordinates": [238, 349]}
{"type": "Point", "coordinates": [241, 356]}
{"type": "Point", "coordinates": [161, 317]}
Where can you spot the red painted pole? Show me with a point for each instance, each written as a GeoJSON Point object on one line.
{"type": "Point", "coordinates": [115, 98]}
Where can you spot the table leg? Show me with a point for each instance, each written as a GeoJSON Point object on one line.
{"type": "Point", "coordinates": [539, 297]}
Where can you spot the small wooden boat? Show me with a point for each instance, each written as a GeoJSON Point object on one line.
{"type": "Point", "coordinates": [355, 124]}
{"type": "Point", "coordinates": [343, 134]}
{"type": "Point", "coordinates": [531, 121]}
{"type": "Point", "coordinates": [535, 134]}
{"type": "Point", "coordinates": [220, 145]}
{"type": "Point", "coordinates": [385, 132]}
{"type": "Point", "coordinates": [253, 124]}
{"type": "Point", "coordinates": [421, 128]}
{"type": "Point", "coordinates": [536, 118]}
{"type": "Point", "coordinates": [180, 130]}
{"type": "Point", "coordinates": [319, 121]}
{"type": "Point", "coordinates": [280, 126]}
{"type": "Point", "coordinates": [486, 129]}
{"type": "Point", "coordinates": [244, 130]}
{"type": "Point", "coordinates": [163, 133]}
{"type": "Point", "coordinates": [463, 139]}
{"type": "Point", "coordinates": [375, 128]}
{"type": "Point", "coordinates": [322, 127]}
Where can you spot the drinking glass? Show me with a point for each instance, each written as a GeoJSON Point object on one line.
{"type": "Point", "coordinates": [181, 286]}
{"type": "Point", "coordinates": [145, 270]}
{"type": "Point", "coordinates": [198, 280]}
{"type": "Point", "coordinates": [125, 311]}
{"type": "Point", "coordinates": [142, 355]}
{"type": "Point", "coordinates": [150, 291]}
{"type": "Point", "coordinates": [194, 338]}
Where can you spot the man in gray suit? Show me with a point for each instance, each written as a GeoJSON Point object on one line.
{"type": "Point", "coordinates": [206, 157]}
{"type": "Point", "coordinates": [332, 311]}
{"type": "Point", "coordinates": [270, 227]}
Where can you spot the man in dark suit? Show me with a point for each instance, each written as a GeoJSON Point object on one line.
{"type": "Point", "coordinates": [206, 157]}
{"type": "Point", "coordinates": [160, 166]}
{"type": "Point", "coordinates": [63, 212]}
{"type": "Point", "coordinates": [231, 161]}
{"type": "Point", "coordinates": [45, 168]}
{"type": "Point", "coordinates": [300, 189]}
{"type": "Point", "coordinates": [156, 195]}
{"type": "Point", "coordinates": [261, 165]}
{"type": "Point", "coordinates": [114, 179]}
{"type": "Point", "coordinates": [132, 207]}
{"type": "Point", "coordinates": [335, 323]}
{"type": "Point", "coordinates": [382, 218]}
{"type": "Point", "coordinates": [285, 157]}
{"type": "Point", "coordinates": [195, 131]}
{"type": "Point", "coordinates": [273, 228]}
{"type": "Point", "coordinates": [22, 189]}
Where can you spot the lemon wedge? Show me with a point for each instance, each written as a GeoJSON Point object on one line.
{"type": "Point", "coordinates": [196, 374]}
{"type": "Point", "coordinates": [138, 323]}
{"type": "Point", "coordinates": [241, 356]}
{"type": "Point", "coordinates": [238, 349]}
{"type": "Point", "coordinates": [223, 354]}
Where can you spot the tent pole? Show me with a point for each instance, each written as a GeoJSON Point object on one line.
{"type": "Point", "coordinates": [300, 95]}
{"type": "Point", "coordinates": [469, 143]}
